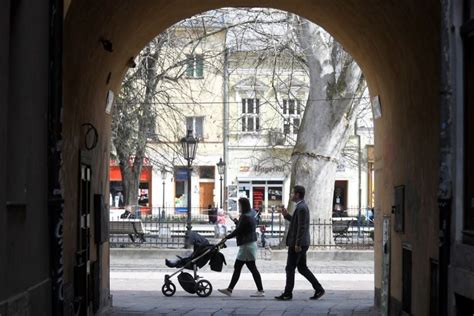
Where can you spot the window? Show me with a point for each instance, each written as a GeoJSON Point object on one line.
{"type": "Point", "coordinates": [286, 127]}
{"type": "Point", "coordinates": [116, 194]}
{"type": "Point", "coordinates": [265, 195]}
{"type": "Point", "coordinates": [250, 115]}
{"type": "Point", "coordinates": [194, 66]}
{"type": "Point", "coordinates": [144, 194]}
{"type": "Point", "coordinates": [339, 200]}
{"type": "Point", "coordinates": [292, 116]}
{"type": "Point", "coordinates": [296, 125]}
{"type": "Point", "coordinates": [206, 172]}
{"type": "Point", "coordinates": [195, 123]}
{"type": "Point", "coordinates": [181, 181]}
{"type": "Point", "coordinates": [275, 197]}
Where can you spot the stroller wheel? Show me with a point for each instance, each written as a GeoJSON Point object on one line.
{"type": "Point", "coordinates": [168, 289]}
{"type": "Point", "coordinates": [203, 288]}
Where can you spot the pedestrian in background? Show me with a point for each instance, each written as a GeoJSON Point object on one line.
{"type": "Point", "coordinates": [221, 228]}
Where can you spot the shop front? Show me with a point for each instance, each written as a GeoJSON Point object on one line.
{"type": "Point", "coordinates": [144, 193]}
{"type": "Point", "coordinates": [265, 195]}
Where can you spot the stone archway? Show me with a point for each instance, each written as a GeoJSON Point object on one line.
{"type": "Point", "coordinates": [395, 43]}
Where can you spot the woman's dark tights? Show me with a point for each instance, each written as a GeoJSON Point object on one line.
{"type": "Point", "coordinates": [238, 268]}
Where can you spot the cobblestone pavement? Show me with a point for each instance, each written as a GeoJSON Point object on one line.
{"type": "Point", "coordinates": [334, 303]}
{"type": "Point", "coordinates": [136, 290]}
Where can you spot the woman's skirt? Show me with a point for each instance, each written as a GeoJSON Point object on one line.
{"type": "Point", "coordinates": [247, 252]}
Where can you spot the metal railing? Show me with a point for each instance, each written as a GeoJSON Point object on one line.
{"type": "Point", "coordinates": [169, 231]}
{"type": "Point", "coordinates": [201, 213]}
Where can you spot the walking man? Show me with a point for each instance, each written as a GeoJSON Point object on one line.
{"type": "Point", "coordinates": [297, 241]}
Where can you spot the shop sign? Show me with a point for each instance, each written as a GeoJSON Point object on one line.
{"type": "Point", "coordinates": [244, 169]}
{"type": "Point", "coordinates": [272, 169]}
{"type": "Point", "coordinates": [181, 174]}
{"type": "Point", "coordinates": [131, 160]}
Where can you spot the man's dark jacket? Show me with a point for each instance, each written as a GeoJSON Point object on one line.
{"type": "Point", "coordinates": [298, 232]}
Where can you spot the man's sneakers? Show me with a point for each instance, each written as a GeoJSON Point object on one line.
{"type": "Point", "coordinates": [287, 297]}
{"type": "Point", "coordinates": [317, 294]}
{"type": "Point", "coordinates": [284, 297]}
{"type": "Point", "coordinates": [225, 291]}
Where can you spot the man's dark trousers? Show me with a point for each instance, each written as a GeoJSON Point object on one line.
{"type": "Point", "coordinates": [298, 260]}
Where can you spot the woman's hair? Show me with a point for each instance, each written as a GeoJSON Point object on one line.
{"type": "Point", "coordinates": [244, 205]}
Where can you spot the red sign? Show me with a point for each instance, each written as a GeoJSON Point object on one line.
{"type": "Point", "coordinates": [258, 197]}
{"type": "Point", "coordinates": [116, 175]}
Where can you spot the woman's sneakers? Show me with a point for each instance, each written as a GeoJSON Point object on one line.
{"type": "Point", "coordinates": [226, 292]}
{"type": "Point", "coordinates": [258, 294]}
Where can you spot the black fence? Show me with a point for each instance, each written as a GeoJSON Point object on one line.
{"type": "Point", "coordinates": [169, 231]}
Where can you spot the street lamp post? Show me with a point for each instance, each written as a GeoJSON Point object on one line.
{"type": "Point", "coordinates": [221, 170]}
{"type": "Point", "coordinates": [163, 177]}
{"type": "Point", "coordinates": [189, 145]}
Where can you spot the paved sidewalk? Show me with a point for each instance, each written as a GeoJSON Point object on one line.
{"type": "Point", "coordinates": [136, 290]}
{"type": "Point", "coordinates": [139, 293]}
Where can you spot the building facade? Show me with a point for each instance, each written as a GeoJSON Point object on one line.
{"type": "Point", "coordinates": [417, 57]}
{"type": "Point", "coordinates": [248, 114]}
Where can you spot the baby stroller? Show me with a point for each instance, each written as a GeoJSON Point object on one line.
{"type": "Point", "coordinates": [203, 253]}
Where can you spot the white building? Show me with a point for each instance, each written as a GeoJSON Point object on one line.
{"type": "Point", "coordinates": [242, 114]}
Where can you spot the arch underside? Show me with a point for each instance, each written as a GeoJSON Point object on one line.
{"type": "Point", "coordinates": [396, 43]}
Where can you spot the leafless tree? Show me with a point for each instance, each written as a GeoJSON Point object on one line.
{"type": "Point", "coordinates": [276, 44]}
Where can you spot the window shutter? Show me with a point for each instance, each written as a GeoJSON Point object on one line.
{"type": "Point", "coordinates": [189, 123]}
{"type": "Point", "coordinates": [189, 66]}
{"type": "Point", "coordinates": [199, 66]}
{"type": "Point", "coordinates": [199, 127]}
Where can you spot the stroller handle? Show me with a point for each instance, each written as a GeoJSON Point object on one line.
{"type": "Point", "coordinates": [221, 244]}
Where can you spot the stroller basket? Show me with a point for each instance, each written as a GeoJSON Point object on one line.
{"type": "Point", "coordinates": [187, 282]}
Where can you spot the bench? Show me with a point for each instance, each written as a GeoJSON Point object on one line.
{"type": "Point", "coordinates": [131, 227]}
{"type": "Point", "coordinates": [203, 230]}
{"type": "Point", "coordinates": [340, 228]}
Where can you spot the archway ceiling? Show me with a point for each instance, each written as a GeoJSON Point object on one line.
{"type": "Point", "coordinates": [391, 40]}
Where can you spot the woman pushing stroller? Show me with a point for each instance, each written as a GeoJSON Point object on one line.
{"type": "Point", "coordinates": [247, 242]}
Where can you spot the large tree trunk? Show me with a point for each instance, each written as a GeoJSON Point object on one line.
{"type": "Point", "coordinates": [315, 169]}
{"type": "Point", "coordinates": [326, 126]}
{"type": "Point", "coordinates": [130, 184]}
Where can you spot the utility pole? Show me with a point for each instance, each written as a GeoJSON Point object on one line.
{"type": "Point", "coordinates": [226, 117]}
{"type": "Point", "coordinates": [359, 176]}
